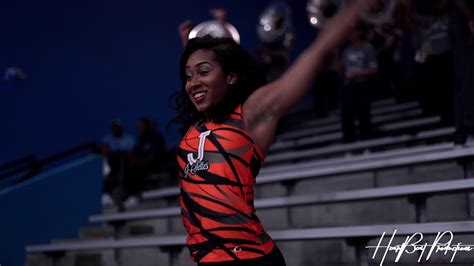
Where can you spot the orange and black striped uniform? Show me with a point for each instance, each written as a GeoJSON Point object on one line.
{"type": "Point", "coordinates": [218, 164]}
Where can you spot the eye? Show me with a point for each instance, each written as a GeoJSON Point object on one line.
{"type": "Point", "coordinates": [189, 77]}
{"type": "Point", "coordinates": [204, 71]}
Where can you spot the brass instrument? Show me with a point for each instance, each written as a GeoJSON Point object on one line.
{"type": "Point", "coordinates": [320, 11]}
{"type": "Point", "coordinates": [275, 25]}
{"type": "Point", "coordinates": [215, 29]}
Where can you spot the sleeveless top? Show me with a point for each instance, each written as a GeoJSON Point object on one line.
{"type": "Point", "coordinates": [218, 164]}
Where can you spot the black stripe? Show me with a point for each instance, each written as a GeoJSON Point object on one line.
{"type": "Point", "coordinates": [202, 208]}
{"type": "Point", "coordinates": [210, 179]}
{"type": "Point", "coordinates": [235, 131]}
{"type": "Point", "coordinates": [221, 149]}
{"type": "Point", "coordinates": [214, 240]}
{"type": "Point", "coordinates": [226, 228]}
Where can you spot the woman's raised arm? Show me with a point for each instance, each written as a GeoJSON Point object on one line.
{"type": "Point", "coordinates": [272, 101]}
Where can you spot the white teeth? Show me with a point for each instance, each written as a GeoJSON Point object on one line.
{"type": "Point", "coordinates": [199, 94]}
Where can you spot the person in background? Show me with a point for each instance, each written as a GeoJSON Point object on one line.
{"type": "Point", "coordinates": [435, 62]}
{"type": "Point", "coordinates": [405, 23]}
{"type": "Point", "coordinates": [326, 87]}
{"type": "Point", "coordinates": [462, 38]}
{"type": "Point", "coordinates": [386, 39]}
{"type": "Point", "coordinates": [145, 160]}
{"type": "Point", "coordinates": [359, 64]}
{"type": "Point", "coordinates": [274, 59]}
{"type": "Point", "coordinates": [115, 147]}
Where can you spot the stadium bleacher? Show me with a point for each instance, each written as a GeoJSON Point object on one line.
{"type": "Point", "coordinates": [322, 204]}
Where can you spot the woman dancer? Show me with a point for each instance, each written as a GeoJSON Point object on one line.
{"type": "Point", "coordinates": [231, 117]}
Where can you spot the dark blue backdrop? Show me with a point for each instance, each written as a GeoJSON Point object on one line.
{"type": "Point", "coordinates": [91, 61]}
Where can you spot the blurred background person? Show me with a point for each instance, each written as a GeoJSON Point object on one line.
{"type": "Point", "coordinates": [386, 39]}
{"type": "Point", "coordinates": [359, 67]}
{"type": "Point", "coordinates": [145, 160]}
{"type": "Point", "coordinates": [435, 56]}
{"type": "Point", "coordinates": [116, 147]}
{"type": "Point", "coordinates": [462, 38]}
{"type": "Point", "coordinates": [401, 66]}
{"type": "Point", "coordinates": [326, 86]}
{"type": "Point", "coordinates": [328, 82]}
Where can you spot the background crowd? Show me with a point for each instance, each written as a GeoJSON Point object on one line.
{"type": "Point", "coordinates": [425, 52]}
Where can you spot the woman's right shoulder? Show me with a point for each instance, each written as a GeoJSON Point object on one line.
{"type": "Point", "coordinates": [188, 129]}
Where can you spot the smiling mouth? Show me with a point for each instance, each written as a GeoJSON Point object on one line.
{"type": "Point", "coordinates": [199, 96]}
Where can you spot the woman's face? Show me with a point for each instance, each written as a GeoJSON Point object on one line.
{"type": "Point", "coordinates": [206, 82]}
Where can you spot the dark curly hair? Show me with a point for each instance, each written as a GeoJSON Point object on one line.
{"type": "Point", "coordinates": [233, 59]}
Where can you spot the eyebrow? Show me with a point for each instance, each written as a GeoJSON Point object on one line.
{"type": "Point", "coordinates": [201, 63]}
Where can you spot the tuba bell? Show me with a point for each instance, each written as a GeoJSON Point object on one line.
{"type": "Point", "coordinates": [275, 25]}
{"type": "Point", "coordinates": [320, 11]}
{"type": "Point", "coordinates": [215, 29]}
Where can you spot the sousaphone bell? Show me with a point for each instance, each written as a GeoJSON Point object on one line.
{"type": "Point", "coordinates": [320, 11]}
{"type": "Point", "coordinates": [275, 24]}
{"type": "Point", "coordinates": [215, 29]}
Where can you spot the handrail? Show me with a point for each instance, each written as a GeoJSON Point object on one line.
{"type": "Point", "coordinates": [88, 146]}
{"type": "Point", "coordinates": [31, 166]}
{"type": "Point", "coordinates": [16, 162]}
{"type": "Point", "coordinates": [14, 171]}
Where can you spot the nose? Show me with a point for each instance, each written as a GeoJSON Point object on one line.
{"type": "Point", "coordinates": [193, 83]}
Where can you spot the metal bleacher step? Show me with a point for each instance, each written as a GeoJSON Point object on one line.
{"type": "Point", "coordinates": [369, 165]}
{"type": "Point", "coordinates": [392, 128]}
{"type": "Point", "coordinates": [382, 155]}
{"type": "Point", "coordinates": [307, 119]}
{"type": "Point", "coordinates": [96, 232]}
{"type": "Point", "coordinates": [383, 102]}
{"type": "Point", "coordinates": [299, 173]}
{"type": "Point", "coordinates": [359, 234]}
{"type": "Point", "coordinates": [313, 130]}
{"type": "Point", "coordinates": [109, 232]}
{"type": "Point", "coordinates": [308, 111]}
{"type": "Point", "coordinates": [96, 257]}
{"type": "Point", "coordinates": [366, 145]}
{"type": "Point", "coordinates": [411, 123]}
{"type": "Point", "coordinates": [140, 230]}
{"type": "Point", "coordinates": [394, 108]}
{"type": "Point", "coordinates": [88, 259]}
{"type": "Point", "coordinates": [428, 188]}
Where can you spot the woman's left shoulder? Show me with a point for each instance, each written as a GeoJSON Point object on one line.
{"type": "Point", "coordinates": [260, 126]}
